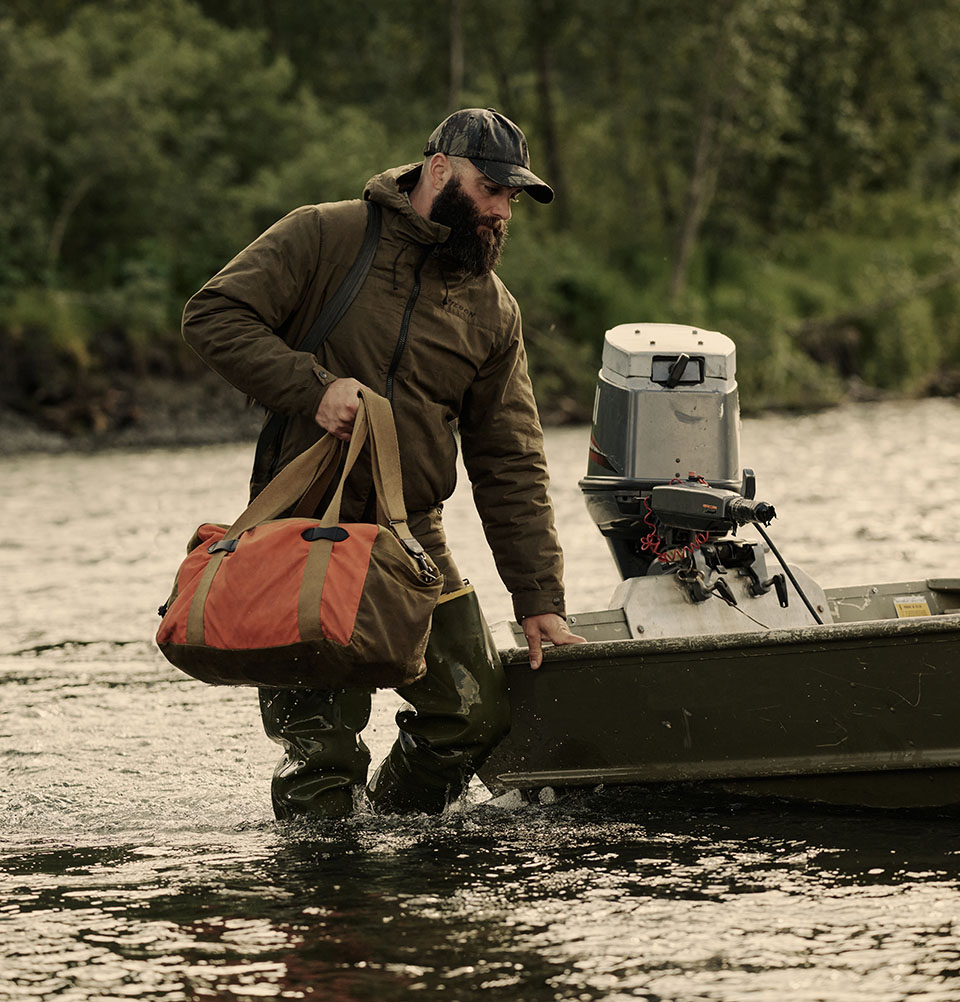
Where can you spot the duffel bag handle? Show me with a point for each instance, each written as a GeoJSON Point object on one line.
{"type": "Point", "coordinates": [288, 486]}
{"type": "Point", "coordinates": [387, 478]}
{"type": "Point", "coordinates": [374, 421]}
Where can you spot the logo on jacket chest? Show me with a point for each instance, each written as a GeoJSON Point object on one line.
{"type": "Point", "coordinates": [461, 311]}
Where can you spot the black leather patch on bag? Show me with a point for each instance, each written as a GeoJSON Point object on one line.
{"type": "Point", "coordinates": [337, 533]}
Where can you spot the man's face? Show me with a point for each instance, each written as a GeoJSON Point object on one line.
{"type": "Point", "coordinates": [477, 214]}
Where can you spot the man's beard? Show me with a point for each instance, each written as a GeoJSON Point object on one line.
{"type": "Point", "coordinates": [468, 248]}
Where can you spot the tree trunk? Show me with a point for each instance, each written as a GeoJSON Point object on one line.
{"type": "Point", "coordinates": [548, 126]}
{"type": "Point", "coordinates": [699, 191]}
{"type": "Point", "coordinates": [718, 91]}
{"type": "Point", "coordinates": [70, 203]}
{"type": "Point", "coordinates": [456, 55]}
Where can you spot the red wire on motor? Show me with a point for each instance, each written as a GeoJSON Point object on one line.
{"type": "Point", "coordinates": [652, 540]}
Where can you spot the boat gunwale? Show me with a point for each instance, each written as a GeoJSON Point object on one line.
{"type": "Point", "coordinates": [573, 655]}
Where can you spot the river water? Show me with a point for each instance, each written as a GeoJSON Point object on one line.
{"type": "Point", "coordinates": [138, 854]}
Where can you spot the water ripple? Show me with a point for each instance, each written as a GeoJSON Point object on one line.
{"type": "Point", "coordinates": [139, 858]}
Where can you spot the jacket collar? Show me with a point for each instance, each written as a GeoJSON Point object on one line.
{"type": "Point", "coordinates": [390, 189]}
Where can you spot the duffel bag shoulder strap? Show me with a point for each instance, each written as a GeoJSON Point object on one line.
{"type": "Point", "coordinates": [388, 478]}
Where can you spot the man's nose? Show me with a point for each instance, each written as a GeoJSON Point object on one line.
{"type": "Point", "coordinates": [501, 208]}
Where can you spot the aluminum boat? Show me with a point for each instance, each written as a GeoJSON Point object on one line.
{"type": "Point", "coordinates": [718, 663]}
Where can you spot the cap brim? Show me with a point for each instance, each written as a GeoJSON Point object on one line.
{"type": "Point", "coordinates": [515, 176]}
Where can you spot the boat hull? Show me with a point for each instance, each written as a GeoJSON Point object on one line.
{"type": "Point", "coordinates": [774, 712]}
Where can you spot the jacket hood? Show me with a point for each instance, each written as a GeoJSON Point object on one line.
{"type": "Point", "coordinates": [391, 189]}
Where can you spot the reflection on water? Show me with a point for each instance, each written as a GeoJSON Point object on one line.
{"type": "Point", "coordinates": [139, 859]}
{"type": "Point", "coordinates": [608, 895]}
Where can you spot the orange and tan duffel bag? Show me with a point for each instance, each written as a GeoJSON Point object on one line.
{"type": "Point", "coordinates": [305, 602]}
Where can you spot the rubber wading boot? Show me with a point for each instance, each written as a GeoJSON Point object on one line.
{"type": "Point", "coordinates": [458, 711]}
{"type": "Point", "coordinates": [325, 761]}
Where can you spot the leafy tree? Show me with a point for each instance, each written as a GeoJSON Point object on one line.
{"type": "Point", "coordinates": [784, 170]}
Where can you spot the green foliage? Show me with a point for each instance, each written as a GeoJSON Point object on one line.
{"type": "Point", "coordinates": [904, 347]}
{"type": "Point", "coordinates": [55, 321]}
{"type": "Point", "coordinates": [782, 170]}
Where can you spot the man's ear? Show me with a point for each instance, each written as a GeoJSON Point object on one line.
{"type": "Point", "coordinates": [439, 170]}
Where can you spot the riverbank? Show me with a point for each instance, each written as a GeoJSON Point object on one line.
{"type": "Point", "coordinates": [162, 412]}
{"type": "Point", "coordinates": [170, 412]}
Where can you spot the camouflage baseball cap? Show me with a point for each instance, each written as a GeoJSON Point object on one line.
{"type": "Point", "coordinates": [493, 144]}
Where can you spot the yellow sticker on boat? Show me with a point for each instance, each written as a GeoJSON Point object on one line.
{"type": "Point", "coordinates": [911, 605]}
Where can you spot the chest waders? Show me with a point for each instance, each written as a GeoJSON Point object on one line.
{"type": "Point", "coordinates": [455, 715]}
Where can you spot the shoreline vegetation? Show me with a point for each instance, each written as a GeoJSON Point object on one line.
{"type": "Point", "coordinates": [161, 412]}
{"type": "Point", "coordinates": [786, 172]}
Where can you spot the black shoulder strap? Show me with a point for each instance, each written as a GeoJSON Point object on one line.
{"type": "Point", "coordinates": [268, 444]}
{"type": "Point", "coordinates": [339, 302]}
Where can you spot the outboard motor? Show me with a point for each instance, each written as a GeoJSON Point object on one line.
{"type": "Point", "coordinates": [665, 488]}
{"type": "Point", "coordinates": [666, 409]}
{"type": "Point", "coordinates": [663, 477]}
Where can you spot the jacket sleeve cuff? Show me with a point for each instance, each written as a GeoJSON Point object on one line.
{"type": "Point", "coordinates": [325, 378]}
{"type": "Point", "coordinates": [536, 603]}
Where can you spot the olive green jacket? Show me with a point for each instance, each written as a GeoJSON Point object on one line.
{"type": "Point", "coordinates": [445, 347]}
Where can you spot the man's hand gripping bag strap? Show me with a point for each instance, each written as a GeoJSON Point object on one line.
{"type": "Point", "coordinates": [361, 603]}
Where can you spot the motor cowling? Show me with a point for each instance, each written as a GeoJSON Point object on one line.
{"type": "Point", "coordinates": [666, 407]}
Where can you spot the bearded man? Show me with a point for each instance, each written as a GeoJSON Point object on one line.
{"type": "Point", "coordinates": [435, 331]}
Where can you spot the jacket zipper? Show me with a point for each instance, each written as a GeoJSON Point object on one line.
{"type": "Point", "coordinates": [405, 324]}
